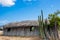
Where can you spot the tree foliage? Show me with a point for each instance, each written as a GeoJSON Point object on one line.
{"type": "Point", "coordinates": [54, 17]}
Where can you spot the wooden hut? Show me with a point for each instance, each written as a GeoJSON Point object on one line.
{"type": "Point", "coordinates": [23, 28]}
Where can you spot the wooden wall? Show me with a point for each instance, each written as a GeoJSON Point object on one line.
{"type": "Point", "coordinates": [22, 32]}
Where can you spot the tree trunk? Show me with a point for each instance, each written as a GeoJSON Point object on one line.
{"type": "Point", "coordinates": [56, 31]}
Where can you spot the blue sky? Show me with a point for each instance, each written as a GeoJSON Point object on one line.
{"type": "Point", "coordinates": [19, 10]}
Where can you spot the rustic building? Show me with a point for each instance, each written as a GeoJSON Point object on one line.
{"type": "Point", "coordinates": [24, 28]}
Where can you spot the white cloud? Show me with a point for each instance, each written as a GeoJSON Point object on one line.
{"type": "Point", "coordinates": [7, 3]}
{"type": "Point", "coordinates": [29, 0]}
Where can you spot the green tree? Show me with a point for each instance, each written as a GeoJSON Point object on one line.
{"type": "Point", "coordinates": [54, 20]}
{"type": "Point", "coordinates": [54, 17]}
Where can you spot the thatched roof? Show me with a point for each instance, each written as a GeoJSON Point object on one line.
{"type": "Point", "coordinates": [22, 24]}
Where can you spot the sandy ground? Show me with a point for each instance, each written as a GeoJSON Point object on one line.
{"type": "Point", "coordinates": [17, 38]}
{"type": "Point", "coordinates": [1, 32]}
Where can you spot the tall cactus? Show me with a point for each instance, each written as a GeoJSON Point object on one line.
{"type": "Point", "coordinates": [42, 24]}
{"type": "Point", "coordinates": [40, 27]}
{"type": "Point", "coordinates": [40, 19]}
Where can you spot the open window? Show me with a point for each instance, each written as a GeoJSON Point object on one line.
{"type": "Point", "coordinates": [32, 28]}
{"type": "Point", "coordinates": [8, 30]}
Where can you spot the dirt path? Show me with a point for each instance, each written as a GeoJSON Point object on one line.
{"type": "Point", "coordinates": [18, 38]}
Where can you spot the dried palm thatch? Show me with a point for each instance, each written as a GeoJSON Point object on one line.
{"type": "Point", "coordinates": [27, 23]}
